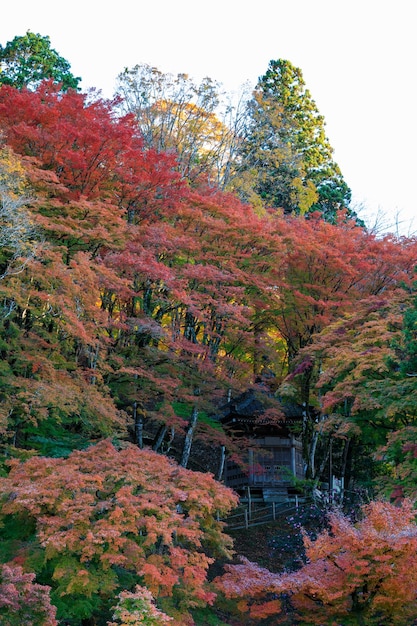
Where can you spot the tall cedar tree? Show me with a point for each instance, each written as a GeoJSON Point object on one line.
{"type": "Point", "coordinates": [287, 149]}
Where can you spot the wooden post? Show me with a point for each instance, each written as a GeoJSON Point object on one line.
{"type": "Point", "coordinates": [250, 464]}
{"type": "Point", "coordinates": [249, 503]}
{"type": "Point", "coordinates": [246, 519]}
{"type": "Point", "coordinates": [293, 459]}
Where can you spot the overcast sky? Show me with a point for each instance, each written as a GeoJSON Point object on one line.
{"type": "Point", "coordinates": [358, 59]}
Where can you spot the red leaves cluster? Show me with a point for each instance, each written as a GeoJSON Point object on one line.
{"type": "Point", "coordinates": [139, 266]}
{"type": "Point", "coordinates": [22, 601]}
{"type": "Point", "coordinates": [329, 269]}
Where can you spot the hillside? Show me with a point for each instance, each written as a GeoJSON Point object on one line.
{"type": "Point", "coordinates": [156, 262]}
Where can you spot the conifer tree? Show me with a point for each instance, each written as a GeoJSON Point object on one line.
{"type": "Point", "coordinates": [27, 60]}
{"type": "Point", "coordinates": [286, 147]}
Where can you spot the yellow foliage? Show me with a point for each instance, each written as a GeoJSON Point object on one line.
{"type": "Point", "coordinates": [12, 173]}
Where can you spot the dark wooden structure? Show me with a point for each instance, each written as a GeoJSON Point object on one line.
{"type": "Point", "coordinates": [271, 453]}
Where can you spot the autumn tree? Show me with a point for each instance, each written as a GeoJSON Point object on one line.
{"type": "Point", "coordinates": [29, 59]}
{"type": "Point", "coordinates": [90, 181]}
{"type": "Point", "coordinates": [327, 270]}
{"type": "Point", "coordinates": [175, 114]}
{"type": "Point", "coordinates": [356, 573]}
{"type": "Point", "coordinates": [365, 364]}
{"type": "Point", "coordinates": [17, 230]}
{"type": "Point", "coordinates": [362, 367]}
{"type": "Point", "coordinates": [192, 304]}
{"type": "Point", "coordinates": [286, 149]}
{"type": "Point", "coordinates": [105, 518]}
{"type": "Point", "coordinates": [138, 607]}
{"type": "Point", "coordinates": [23, 601]}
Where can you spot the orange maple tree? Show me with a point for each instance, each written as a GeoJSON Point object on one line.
{"type": "Point", "coordinates": [105, 515]}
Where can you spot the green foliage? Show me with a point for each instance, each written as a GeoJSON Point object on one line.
{"type": "Point", "coordinates": [16, 531]}
{"type": "Point", "coordinates": [406, 350]}
{"type": "Point", "coordinates": [27, 60]}
{"type": "Point", "coordinates": [287, 148]}
{"type": "Point", "coordinates": [184, 410]}
{"type": "Point", "coordinates": [398, 462]}
{"type": "Point", "coordinates": [208, 617]}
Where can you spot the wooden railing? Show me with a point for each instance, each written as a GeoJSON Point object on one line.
{"type": "Point", "coordinates": [255, 514]}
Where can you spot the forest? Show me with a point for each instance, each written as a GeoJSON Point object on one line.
{"type": "Point", "coordinates": [161, 252]}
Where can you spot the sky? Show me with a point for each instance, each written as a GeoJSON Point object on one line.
{"type": "Point", "coordinates": [358, 59]}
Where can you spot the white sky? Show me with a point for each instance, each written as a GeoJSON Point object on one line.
{"type": "Point", "coordinates": [358, 59]}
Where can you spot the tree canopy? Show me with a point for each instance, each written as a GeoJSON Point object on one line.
{"type": "Point", "coordinates": [286, 147]}
{"type": "Point", "coordinates": [29, 59]}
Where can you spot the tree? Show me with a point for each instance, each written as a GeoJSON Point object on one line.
{"type": "Point", "coordinates": [365, 376]}
{"type": "Point", "coordinates": [22, 601]}
{"type": "Point", "coordinates": [17, 231]}
{"type": "Point", "coordinates": [191, 309]}
{"type": "Point", "coordinates": [176, 115]}
{"type": "Point", "coordinates": [136, 608]}
{"type": "Point", "coordinates": [29, 59]}
{"type": "Point", "coordinates": [106, 518]}
{"type": "Point", "coordinates": [356, 573]}
{"type": "Point", "coordinates": [286, 149]}
{"type": "Point", "coordinates": [91, 183]}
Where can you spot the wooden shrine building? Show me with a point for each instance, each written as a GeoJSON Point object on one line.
{"type": "Point", "coordinates": [271, 453]}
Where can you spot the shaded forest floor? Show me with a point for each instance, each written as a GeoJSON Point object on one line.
{"type": "Point", "coordinates": [276, 545]}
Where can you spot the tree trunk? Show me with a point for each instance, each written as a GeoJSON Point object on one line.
{"type": "Point", "coordinates": [159, 438]}
{"type": "Point", "coordinates": [344, 466]}
{"type": "Point", "coordinates": [189, 438]}
{"type": "Point", "coordinates": [138, 422]}
{"type": "Point", "coordinates": [222, 463]}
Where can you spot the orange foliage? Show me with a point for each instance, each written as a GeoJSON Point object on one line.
{"type": "Point", "coordinates": [131, 510]}
{"type": "Point", "coordinates": [365, 571]}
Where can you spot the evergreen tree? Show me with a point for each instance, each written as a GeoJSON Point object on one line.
{"type": "Point", "coordinates": [29, 59]}
{"type": "Point", "coordinates": [286, 147]}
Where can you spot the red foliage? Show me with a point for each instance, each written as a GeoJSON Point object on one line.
{"type": "Point", "coordinates": [94, 153]}
{"type": "Point", "coordinates": [22, 601]}
{"type": "Point", "coordinates": [329, 268]}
